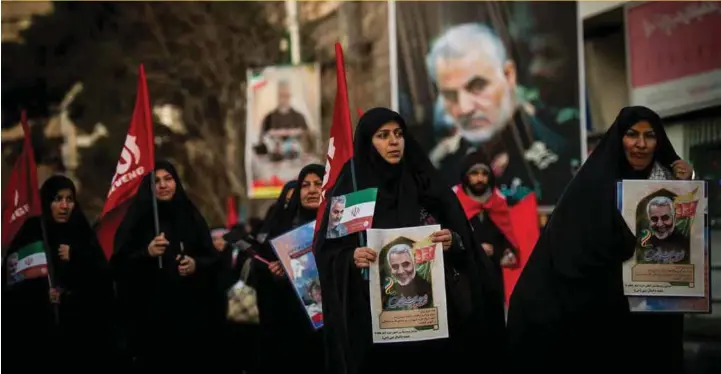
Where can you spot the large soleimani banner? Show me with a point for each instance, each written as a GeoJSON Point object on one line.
{"type": "Point", "coordinates": [282, 126]}
{"type": "Point", "coordinates": [502, 77]}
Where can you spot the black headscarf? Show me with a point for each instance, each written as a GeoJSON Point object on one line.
{"type": "Point", "coordinates": [572, 285]}
{"type": "Point", "coordinates": [405, 190]}
{"type": "Point", "coordinates": [255, 224]}
{"type": "Point", "coordinates": [592, 193]}
{"type": "Point", "coordinates": [277, 209]}
{"type": "Point", "coordinates": [287, 216]}
{"type": "Point", "coordinates": [76, 232]}
{"type": "Point", "coordinates": [280, 204]}
{"type": "Point", "coordinates": [179, 212]}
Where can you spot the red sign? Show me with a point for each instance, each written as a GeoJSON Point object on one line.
{"type": "Point", "coordinates": [674, 51]}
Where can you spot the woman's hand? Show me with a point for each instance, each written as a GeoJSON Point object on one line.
{"type": "Point", "coordinates": [488, 248]}
{"type": "Point", "coordinates": [186, 266]}
{"type": "Point", "coordinates": [54, 295]}
{"type": "Point", "coordinates": [363, 257]}
{"type": "Point", "coordinates": [682, 170]}
{"type": "Point", "coordinates": [64, 252]}
{"type": "Point", "coordinates": [276, 268]}
{"type": "Point", "coordinates": [509, 259]}
{"type": "Point", "coordinates": [444, 236]}
{"type": "Point", "coordinates": [158, 245]}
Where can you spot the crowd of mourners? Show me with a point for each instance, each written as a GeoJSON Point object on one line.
{"type": "Point", "coordinates": [160, 302]}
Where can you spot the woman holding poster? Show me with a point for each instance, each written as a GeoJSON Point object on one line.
{"type": "Point", "coordinates": [410, 193]}
{"type": "Point", "coordinates": [288, 338]}
{"type": "Point", "coordinates": [569, 304]}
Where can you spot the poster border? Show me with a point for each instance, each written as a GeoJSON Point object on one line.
{"type": "Point", "coordinates": [708, 296]}
{"type": "Point", "coordinates": [299, 297]}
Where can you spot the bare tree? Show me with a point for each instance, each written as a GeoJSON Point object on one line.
{"type": "Point", "coordinates": [196, 55]}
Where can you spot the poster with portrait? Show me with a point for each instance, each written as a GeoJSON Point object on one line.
{"type": "Point", "coordinates": [351, 213]}
{"type": "Point", "coordinates": [282, 129]}
{"type": "Point", "coordinates": [502, 77]}
{"type": "Point", "coordinates": [295, 252]}
{"type": "Point", "coordinates": [669, 220]}
{"type": "Point", "coordinates": [407, 285]}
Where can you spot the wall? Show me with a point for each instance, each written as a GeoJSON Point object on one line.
{"type": "Point", "coordinates": [363, 29]}
{"type": "Point", "coordinates": [606, 79]}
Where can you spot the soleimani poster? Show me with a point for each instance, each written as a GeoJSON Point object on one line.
{"type": "Point", "coordinates": [407, 285]}
{"type": "Point", "coordinates": [501, 77]}
{"type": "Point", "coordinates": [282, 126]}
{"type": "Point", "coordinates": [670, 222]}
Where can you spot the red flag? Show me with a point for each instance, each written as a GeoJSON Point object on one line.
{"type": "Point", "coordinates": [340, 145]}
{"type": "Point", "coordinates": [231, 212]}
{"type": "Point", "coordinates": [136, 159]}
{"type": "Point", "coordinates": [518, 223]}
{"type": "Point", "coordinates": [20, 199]}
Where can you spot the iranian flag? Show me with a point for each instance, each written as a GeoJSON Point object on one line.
{"type": "Point", "coordinates": [27, 263]}
{"type": "Point", "coordinates": [354, 211]}
{"type": "Point", "coordinates": [340, 144]}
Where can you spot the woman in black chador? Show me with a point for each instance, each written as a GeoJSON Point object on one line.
{"type": "Point", "coordinates": [174, 311]}
{"type": "Point", "coordinates": [288, 338]}
{"type": "Point", "coordinates": [410, 193]}
{"type": "Point", "coordinates": [82, 338]}
{"type": "Point", "coordinates": [568, 306]}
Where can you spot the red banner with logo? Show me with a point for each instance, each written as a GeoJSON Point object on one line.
{"type": "Point", "coordinates": [20, 199]}
{"type": "Point", "coordinates": [340, 145]}
{"type": "Point", "coordinates": [136, 159]}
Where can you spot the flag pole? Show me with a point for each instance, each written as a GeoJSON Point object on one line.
{"type": "Point", "coordinates": [156, 220]}
{"type": "Point", "coordinates": [51, 267]}
{"type": "Point", "coordinates": [361, 238]}
{"type": "Point", "coordinates": [43, 229]}
{"type": "Point", "coordinates": [151, 138]}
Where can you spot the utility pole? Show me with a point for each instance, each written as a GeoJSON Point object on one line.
{"type": "Point", "coordinates": [291, 10]}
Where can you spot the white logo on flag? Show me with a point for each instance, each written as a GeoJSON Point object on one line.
{"type": "Point", "coordinates": [19, 210]}
{"type": "Point", "coordinates": [130, 156]}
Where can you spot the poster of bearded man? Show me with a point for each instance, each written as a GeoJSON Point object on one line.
{"type": "Point", "coordinates": [282, 126]}
{"type": "Point", "coordinates": [499, 77]}
{"type": "Point", "coordinates": [669, 220]}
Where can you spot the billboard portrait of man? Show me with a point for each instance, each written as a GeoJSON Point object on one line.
{"type": "Point", "coordinates": [495, 78]}
{"type": "Point", "coordinates": [283, 122]}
